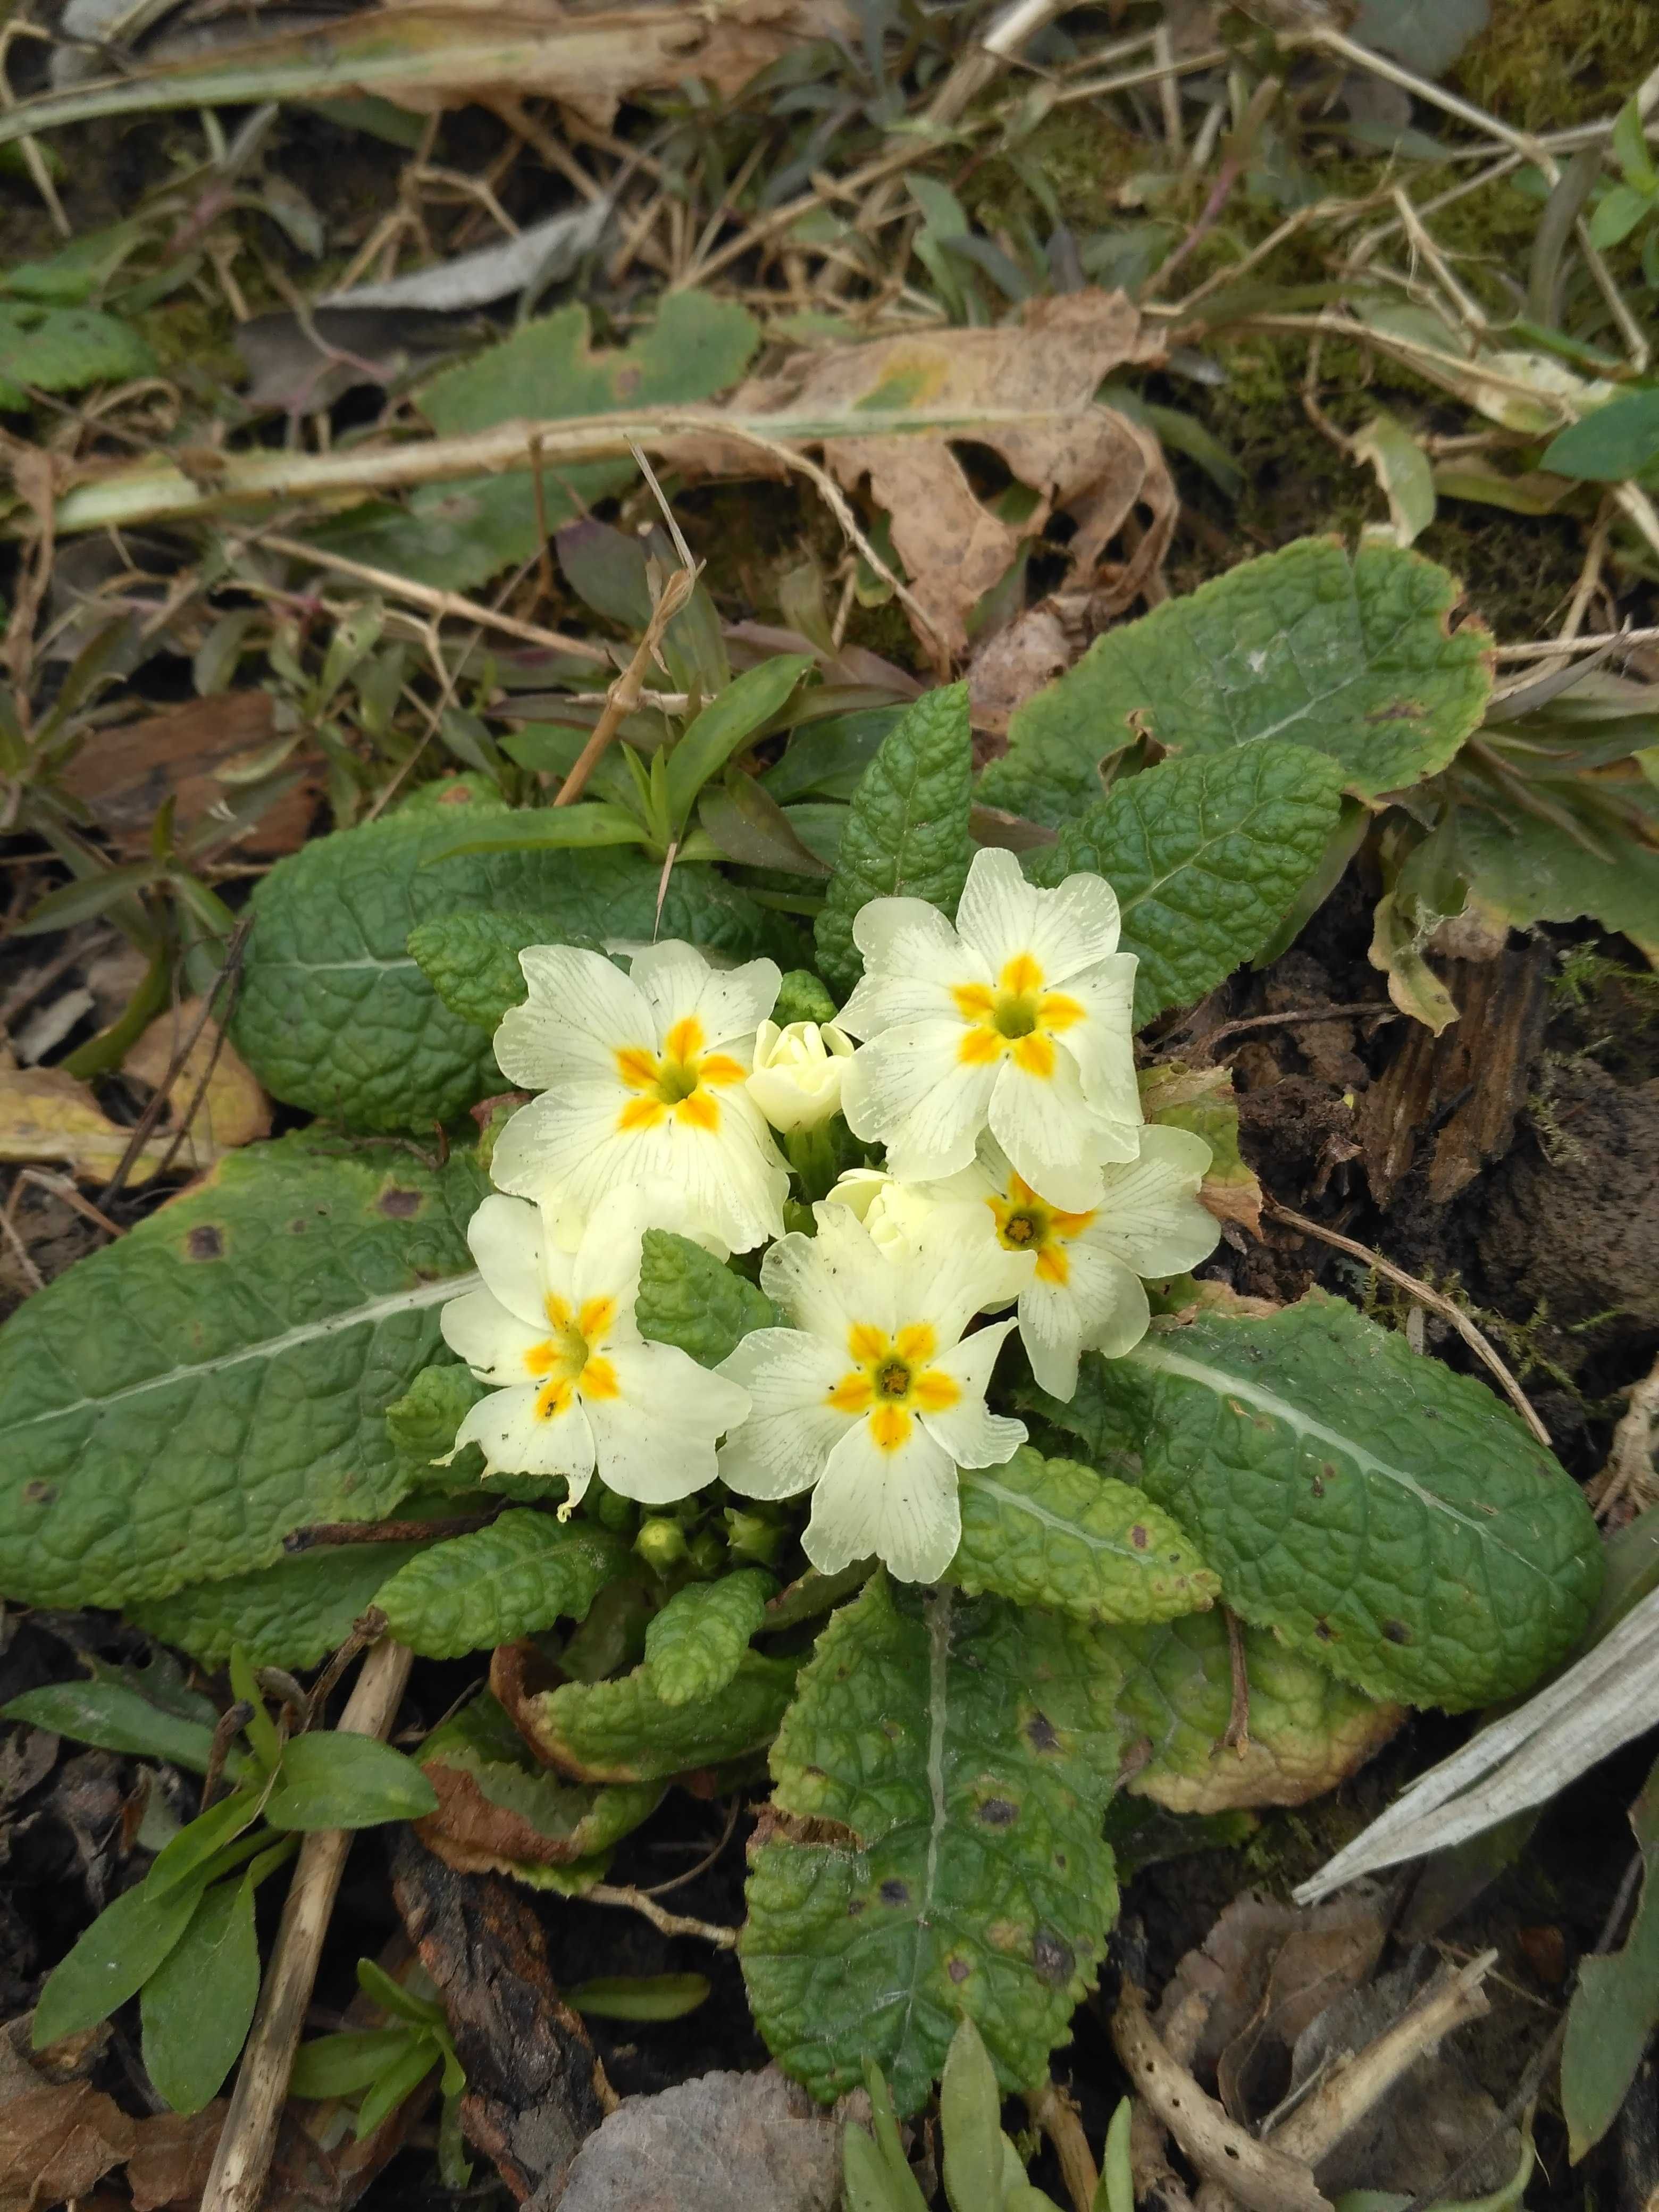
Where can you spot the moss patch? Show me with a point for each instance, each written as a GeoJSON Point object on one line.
{"type": "Point", "coordinates": [1547, 63]}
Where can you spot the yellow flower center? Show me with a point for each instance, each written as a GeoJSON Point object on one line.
{"type": "Point", "coordinates": [1026, 1223]}
{"type": "Point", "coordinates": [570, 1358]}
{"type": "Point", "coordinates": [679, 1083]}
{"type": "Point", "coordinates": [889, 1381]}
{"type": "Point", "coordinates": [1014, 1018]}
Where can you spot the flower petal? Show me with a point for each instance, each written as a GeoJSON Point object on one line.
{"type": "Point", "coordinates": [1150, 1215]}
{"type": "Point", "coordinates": [900, 1505]}
{"type": "Point", "coordinates": [730, 1004]}
{"type": "Point", "coordinates": [828, 1283]}
{"type": "Point", "coordinates": [913, 960]}
{"type": "Point", "coordinates": [1051, 1330]}
{"type": "Point", "coordinates": [969, 1430]}
{"type": "Point", "coordinates": [654, 1441]}
{"type": "Point", "coordinates": [494, 1343]}
{"type": "Point", "coordinates": [1045, 1126]}
{"type": "Point", "coordinates": [791, 1430]}
{"type": "Point", "coordinates": [517, 1439]}
{"type": "Point", "coordinates": [954, 1266]}
{"type": "Point", "coordinates": [1066, 931]}
{"type": "Point", "coordinates": [505, 1238]}
{"type": "Point", "coordinates": [1101, 1044]}
{"type": "Point", "coordinates": [607, 1268]}
{"type": "Point", "coordinates": [1112, 1299]}
{"type": "Point", "coordinates": [581, 1010]}
{"type": "Point", "coordinates": [910, 1089]}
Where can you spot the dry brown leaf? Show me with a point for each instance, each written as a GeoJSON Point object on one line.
{"type": "Point", "coordinates": [234, 1110]}
{"type": "Point", "coordinates": [47, 1117]}
{"type": "Point", "coordinates": [1008, 668]}
{"type": "Point", "coordinates": [721, 2142]}
{"type": "Point", "coordinates": [1095, 466]}
{"type": "Point", "coordinates": [169, 2165]}
{"type": "Point", "coordinates": [57, 2141]}
{"type": "Point", "coordinates": [125, 775]}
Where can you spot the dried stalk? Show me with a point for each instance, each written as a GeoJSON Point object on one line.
{"type": "Point", "coordinates": [236, 2180]}
{"type": "Point", "coordinates": [624, 694]}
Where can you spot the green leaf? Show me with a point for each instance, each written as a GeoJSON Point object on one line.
{"type": "Point", "coordinates": [729, 721]}
{"type": "Point", "coordinates": [829, 757]}
{"type": "Point", "coordinates": [499, 1808]}
{"type": "Point", "coordinates": [802, 998]}
{"type": "Point", "coordinates": [1427, 35]}
{"type": "Point", "coordinates": [1308, 1731]}
{"type": "Point", "coordinates": [471, 960]}
{"type": "Point", "coordinates": [1629, 146]}
{"type": "Point", "coordinates": [197, 1853]}
{"type": "Point", "coordinates": [176, 1403]}
{"type": "Point", "coordinates": [622, 1731]}
{"type": "Point", "coordinates": [1353, 657]}
{"type": "Point", "coordinates": [291, 1614]}
{"type": "Point", "coordinates": [1615, 217]}
{"type": "Point", "coordinates": [964, 1753]}
{"type": "Point", "coordinates": [523, 1572]}
{"type": "Point", "coordinates": [584, 827]}
{"type": "Point", "coordinates": [115, 1718]}
{"type": "Point", "coordinates": [1054, 1534]}
{"type": "Point", "coordinates": [907, 834]}
{"type": "Point", "coordinates": [694, 1646]}
{"type": "Point", "coordinates": [422, 1424]}
{"type": "Point", "coordinates": [335, 1779]}
{"type": "Point", "coordinates": [1617, 441]}
{"type": "Point", "coordinates": [1615, 2007]}
{"type": "Point", "coordinates": [64, 348]}
{"type": "Point", "coordinates": [457, 535]}
{"type": "Point", "coordinates": [1388, 1519]}
{"type": "Point", "coordinates": [639, 1997]}
{"type": "Point", "coordinates": [1206, 856]}
{"type": "Point", "coordinates": [345, 2065]}
{"type": "Point", "coordinates": [197, 2006]}
{"type": "Point", "coordinates": [336, 1014]}
{"type": "Point", "coordinates": [970, 2121]}
{"type": "Point", "coordinates": [689, 1299]}
{"type": "Point", "coordinates": [114, 1957]}
{"type": "Point", "coordinates": [1532, 870]}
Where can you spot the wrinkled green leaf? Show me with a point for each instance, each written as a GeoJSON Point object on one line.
{"type": "Point", "coordinates": [1206, 856]}
{"type": "Point", "coordinates": [1387, 1518]}
{"type": "Point", "coordinates": [422, 1424]}
{"type": "Point", "coordinates": [113, 1958]}
{"type": "Point", "coordinates": [967, 1751]}
{"type": "Point", "coordinates": [335, 1012]}
{"type": "Point", "coordinates": [689, 1299]}
{"type": "Point", "coordinates": [1532, 870]}
{"type": "Point", "coordinates": [694, 1646]}
{"type": "Point", "coordinates": [176, 1403]}
{"type": "Point", "coordinates": [802, 998]}
{"type": "Point", "coordinates": [907, 833]}
{"type": "Point", "coordinates": [498, 1806]}
{"type": "Point", "coordinates": [1054, 1534]}
{"type": "Point", "coordinates": [622, 1731]}
{"type": "Point", "coordinates": [1351, 658]}
{"type": "Point", "coordinates": [197, 2007]}
{"type": "Point", "coordinates": [64, 348]}
{"type": "Point", "coordinates": [332, 1778]}
{"type": "Point", "coordinates": [1615, 2006]}
{"type": "Point", "coordinates": [291, 1614]}
{"type": "Point", "coordinates": [471, 960]}
{"type": "Point", "coordinates": [1308, 1731]}
{"type": "Point", "coordinates": [523, 1572]}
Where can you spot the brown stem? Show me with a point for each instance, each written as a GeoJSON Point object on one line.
{"type": "Point", "coordinates": [384, 1532]}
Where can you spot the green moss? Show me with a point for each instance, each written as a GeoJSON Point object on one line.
{"type": "Point", "coordinates": [1082, 155]}
{"type": "Point", "coordinates": [1547, 63]}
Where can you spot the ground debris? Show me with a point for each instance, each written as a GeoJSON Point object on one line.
{"type": "Point", "coordinates": [721, 2142]}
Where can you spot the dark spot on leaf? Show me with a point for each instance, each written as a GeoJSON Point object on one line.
{"type": "Point", "coordinates": [1138, 1538]}
{"type": "Point", "coordinates": [1041, 1733]}
{"type": "Point", "coordinates": [1328, 1470]}
{"type": "Point", "coordinates": [1324, 1632]}
{"type": "Point", "coordinates": [204, 1243]}
{"type": "Point", "coordinates": [894, 1891]}
{"type": "Point", "coordinates": [39, 1493]}
{"type": "Point", "coordinates": [892, 1730]}
{"type": "Point", "coordinates": [398, 1204]}
{"type": "Point", "coordinates": [998, 1813]}
{"type": "Point", "coordinates": [1397, 710]}
{"type": "Point", "coordinates": [817, 1772]}
{"type": "Point", "coordinates": [458, 795]}
{"type": "Point", "coordinates": [1397, 1632]}
{"type": "Point", "coordinates": [298, 1228]}
{"type": "Point", "coordinates": [958, 1969]}
{"type": "Point", "coordinates": [1052, 1956]}
{"type": "Point", "coordinates": [855, 1905]}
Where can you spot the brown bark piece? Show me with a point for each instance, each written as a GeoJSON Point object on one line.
{"type": "Point", "coordinates": [125, 775]}
{"type": "Point", "coordinates": [1481, 1068]}
{"type": "Point", "coordinates": [535, 2088]}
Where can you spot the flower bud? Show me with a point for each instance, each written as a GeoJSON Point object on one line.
{"type": "Point", "coordinates": [661, 1544]}
{"type": "Point", "coordinates": [891, 1211]}
{"type": "Point", "coordinates": [797, 1073]}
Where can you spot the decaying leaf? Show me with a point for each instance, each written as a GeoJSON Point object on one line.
{"type": "Point", "coordinates": [1097, 467]}
{"type": "Point", "coordinates": [49, 1117]}
{"type": "Point", "coordinates": [232, 1110]}
{"type": "Point", "coordinates": [197, 755]}
{"type": "Point", "coordinates": [722, 2143]}
{"type": "Point", "coordinates": [57, 2141]}
{"type": "Point", "coordinates": [1201, 1099]}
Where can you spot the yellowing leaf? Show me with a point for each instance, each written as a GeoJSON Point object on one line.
{"type": "Point", "coordinates": [50, 1118]}
{"type": "Point", "coordinates": [233, 1109]}
{"type": "Point", "coordinates": [1401, 468]}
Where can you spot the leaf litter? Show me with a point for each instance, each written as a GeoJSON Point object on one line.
{"type": "Point", "coordinates": [933, 367]}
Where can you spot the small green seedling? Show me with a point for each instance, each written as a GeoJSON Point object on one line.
{"type": "Point", "coordinates": [383, 2066]}
{"type": "Point", "coordinates": [983, 2172]}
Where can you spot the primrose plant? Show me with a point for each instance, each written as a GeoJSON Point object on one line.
{"type": "Point", "coordinates": [814, 1319]}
